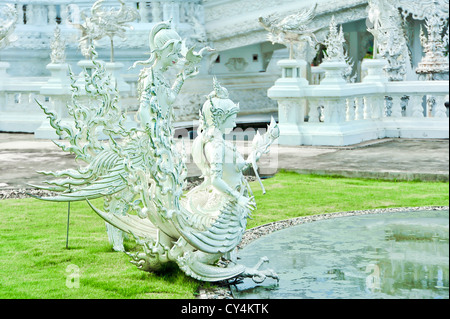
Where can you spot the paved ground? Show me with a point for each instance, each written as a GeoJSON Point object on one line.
{"type": "Point", "coordinates": [21, 156]}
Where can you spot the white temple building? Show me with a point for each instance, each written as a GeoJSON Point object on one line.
{"type": "Point", "coordinates": [404, 96]}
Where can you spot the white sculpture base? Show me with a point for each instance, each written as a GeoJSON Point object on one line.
{"type": "Point", "coordinates": [333, 73]}
{"type": "Point", "coordinates": [375, 70]}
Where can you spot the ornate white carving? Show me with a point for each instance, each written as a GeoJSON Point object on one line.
{"type": "Point", "coordinates": [435, 63]}
{"type": "Point", "coordinates": [58, 47]}
{"type": "Point", "coordinates": [105, 23]}
{"type": "Point", "coordinates": [389, 37]}
{"type": "Point", "coordinates": [8, 20]}
{"type": "Point", "coordinates": [424, 8]}
{"type": "Point", "coordinates": [335, 50]}
{"type": "Point", "coordinates": [293, 30]}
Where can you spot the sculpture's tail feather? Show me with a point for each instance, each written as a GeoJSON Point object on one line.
{"type": "Point", "coordinates": [133, 225]}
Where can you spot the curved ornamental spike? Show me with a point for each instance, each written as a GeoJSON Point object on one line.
{"type": "Point", "coordinates": [141, 174]}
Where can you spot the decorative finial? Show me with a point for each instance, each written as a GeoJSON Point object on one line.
{"type": "Point", "coordinates": [58, 46]}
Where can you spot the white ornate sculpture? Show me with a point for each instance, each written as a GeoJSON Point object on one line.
{"type": "Point", "coordinates": [104, 23]}
{"type": "Point", "coordinates": [435, 63]}
{"type": "Point", "coordinates": [8, 20]}
{"type": "Point", "coordinates": [389, 37]}
{"type": "Point", "coordinates": [112, 23]}
{"type": "Point", "coordinates": [335, 50]}
{"type": "Point", "coordinates": [141, 174]}
{"type": "Point", "coordinates": [58, 47]}
{"type": "Point", "coordinates": [292, 31]}
{"type": "Point", "coordinates": [422, 9]}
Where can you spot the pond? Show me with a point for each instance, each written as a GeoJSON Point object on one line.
{"type": "Point", "coordinates": [390, 255]}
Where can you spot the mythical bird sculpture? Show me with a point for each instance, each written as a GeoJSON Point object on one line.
{"type": "Point", "coordinates": [104, 23]}
{"type": "Point", "coordinates": [141, 174]}
{"type": "Point", "coordinates": [8, 19]}
{"type": "Point", "coordinates": [292, 29]}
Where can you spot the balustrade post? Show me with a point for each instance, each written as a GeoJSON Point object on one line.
{"type": "Point", "coordinates": [143, 11]}
{"type": "Point", "coordinates": [51, 14]}
{"type": "Point", "coordinates": [166, 8]}
{"type": "Point", "coordinates": [175, 12]}
{"type": "Point", "coordinates": [333, 110]}
{"type": "Point", "coordinates": [396, 109]}
{"type": "Point", "coordinates": [156, 11]}
{"type": "Point", "coordinates": [40, 14]}
{"type": "Point", "coordinates": [313, 115]}
{"type": "Point", "coordinates": [377, 107]}
{"type": "Point", "coordinates": [350, 109]}
{"type": "Point", "coordinates": [367, 112]}
{"type": "Point", "coordinates": [359, 108]}
{"type": "Point", "coordinates": [291, 111]}
{"type": "Point", "coordinates": [19, 8]}
{"type": "Point", "coordinates": [63, 13]}
{"type": "Point", "coordinates": [29, 14]}
{"type": "Point", "coordinates": [416, 105]}
{"type": "Point", "coordinates": [439, 107]}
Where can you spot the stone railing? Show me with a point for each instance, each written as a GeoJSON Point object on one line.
{"type": "Point", "coordinates": [19, 111]}
{"type": "Point", "coordinates": [51, 12]}
{"type": "Point", "coordinates": [38, 18]}
{"type": "Point", "coordinates": [340, 113]}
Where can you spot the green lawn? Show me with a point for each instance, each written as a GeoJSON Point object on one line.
{"type": "Point", "coordinates": [34, 260]}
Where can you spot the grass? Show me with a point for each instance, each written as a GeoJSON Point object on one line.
{"type": "Point", "coordinates": [35, 262]}
{"type": "Point", "coordinates": [290, 195]}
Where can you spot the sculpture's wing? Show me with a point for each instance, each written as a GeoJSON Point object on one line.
{"type": "Point", "coordinates": [298, 20]}
{"type": "Point", "coordinates": [222, 236]}
{"type": "Point", "coordinates": [106, 175]}
{"type": "Point", "coordinates": [138, 227]}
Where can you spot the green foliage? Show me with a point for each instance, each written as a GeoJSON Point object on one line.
{"type": "Point", "coordinates": [34, 259]}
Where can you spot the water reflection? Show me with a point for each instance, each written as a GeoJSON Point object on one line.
{"type": "Point", "coordinates": [398, 255]}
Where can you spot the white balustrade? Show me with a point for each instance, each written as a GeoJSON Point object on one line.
{"type": "Point", "coordinates": [50, 12]}
{"type": "Point", "coordinates": [346, 113]}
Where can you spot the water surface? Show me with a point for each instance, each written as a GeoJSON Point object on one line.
{"type": "Point", "coordinates": [390, 255]}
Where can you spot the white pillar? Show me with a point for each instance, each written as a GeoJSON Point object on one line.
{"type": "Point", "coordinates": [396, 110]}
{"type": "Point", "coordinates": [439, 107]}
{"type": "Point", "coordinates": [143, 12]}
{"type": "Point", "coordinates": [156, 11]}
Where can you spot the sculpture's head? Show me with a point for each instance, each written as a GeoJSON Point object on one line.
{"type": "Point", "coordinates": [165, 43]}
{"type": "Point", "coordinates": [219, 111]}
